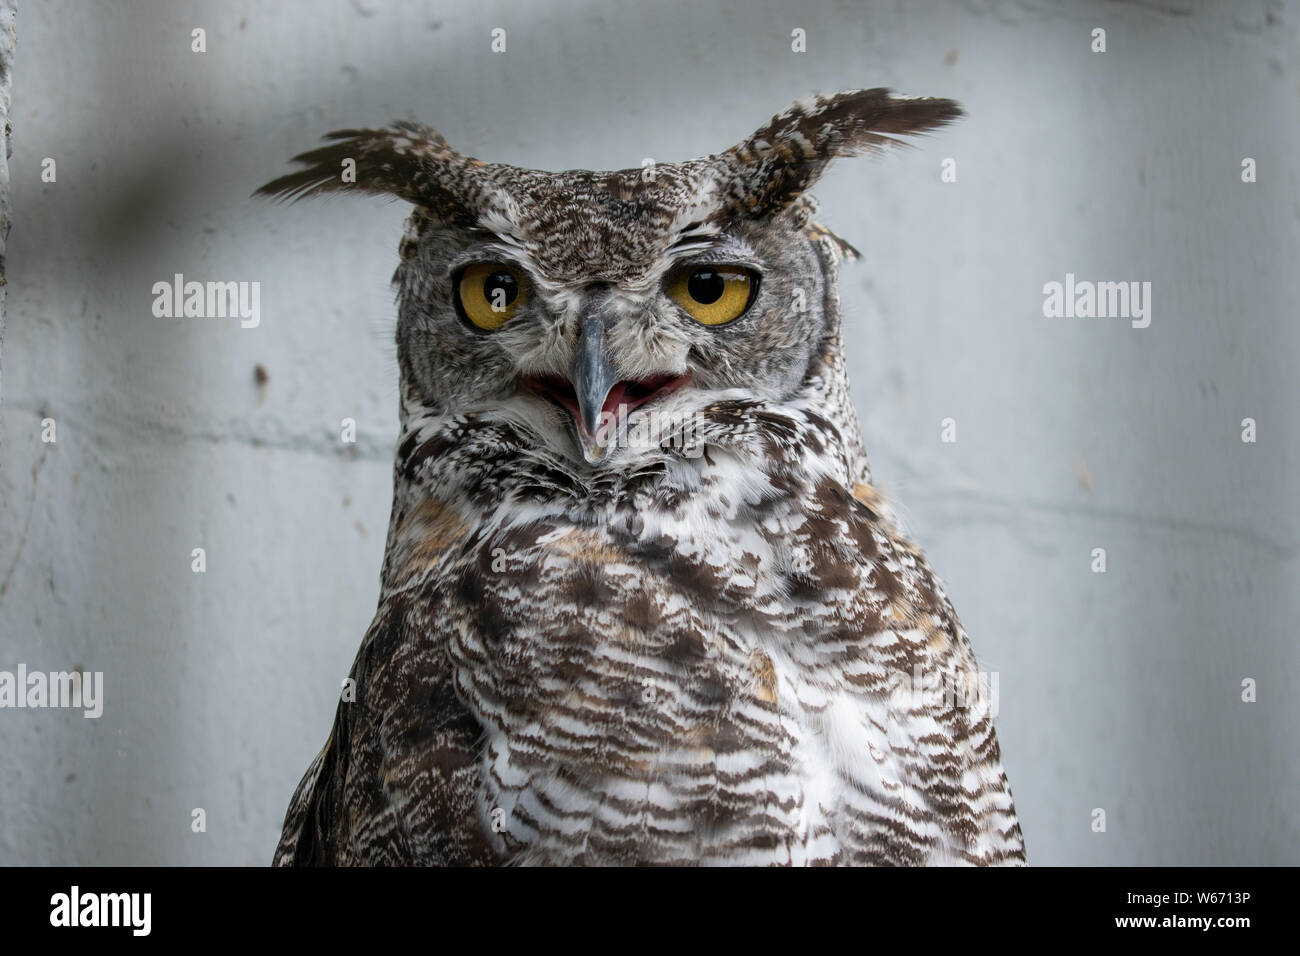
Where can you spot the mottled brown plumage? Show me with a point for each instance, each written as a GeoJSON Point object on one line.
{"type": "Point", "coordinates": [696, 642]}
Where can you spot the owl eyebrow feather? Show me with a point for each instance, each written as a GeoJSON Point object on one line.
{"type": "Point", "coordinates": [689, 243]}
{"type": "Point", "coordinates": [697, 234]}
{"type": "Point", "coordinates": [693, 241]}
{"type": "Point", "coordinates": [489, 235]}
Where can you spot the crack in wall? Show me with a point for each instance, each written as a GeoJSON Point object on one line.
{"type": "Point", "coordinates": [8, 42]}
{"type": "Point", "coordinates": [117, 431]}
{"type": "Point", "coordinates": [996, 509]}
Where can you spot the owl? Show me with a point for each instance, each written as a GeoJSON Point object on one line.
{"type": "Point", "coordinates": [640, 602]}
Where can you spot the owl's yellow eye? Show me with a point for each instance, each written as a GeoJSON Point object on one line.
{"type": "Point", "coordinates": [713, 295]}
{"type": "Point", "coordinates": [490, 293]}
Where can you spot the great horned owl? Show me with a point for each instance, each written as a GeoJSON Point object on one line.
{"type": "Point", "coordinates": [640, 601]}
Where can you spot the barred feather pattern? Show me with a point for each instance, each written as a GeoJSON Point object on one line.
{"type": "Point", "coordinates": [693, 663]}
{"type": "Point", "coordinates": [667, 658]}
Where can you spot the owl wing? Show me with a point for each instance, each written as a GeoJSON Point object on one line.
{"type": "Point", "coordinates": [395, 784]}
{"type": "Point", "coordinates": [944, 771]}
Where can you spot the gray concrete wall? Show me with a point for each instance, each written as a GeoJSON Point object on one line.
{"type": "Point", "coordinates": [8, 46]}
{"type": "Point", "coordinates": [1119, 691]}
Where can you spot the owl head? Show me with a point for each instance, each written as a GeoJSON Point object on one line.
{"type": "Point", "coordinates": [586, 307]}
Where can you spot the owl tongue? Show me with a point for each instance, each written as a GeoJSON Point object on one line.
{"type": "Point", "coordinates": [629, 394]}
{"type": "Point", "coordinates": [612, 411]}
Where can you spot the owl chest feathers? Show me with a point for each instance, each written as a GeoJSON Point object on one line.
{"type": "Point", "coordinates": [716, 674]}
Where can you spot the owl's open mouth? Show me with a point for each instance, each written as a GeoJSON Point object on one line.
{"type": "Point", "coordinates": [623, 397]}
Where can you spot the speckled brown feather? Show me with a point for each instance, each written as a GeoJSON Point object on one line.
{"type": "Point", "coordinates": [669, 657]}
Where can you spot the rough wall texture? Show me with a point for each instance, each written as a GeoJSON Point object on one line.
{"type": "Point", "coordinates": [1119, 691]}
{"type": "Point", "coordinates": [8, 46]}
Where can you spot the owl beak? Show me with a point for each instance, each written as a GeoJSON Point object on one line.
{"type": "Point", "coordinates": [593, 377]}
{"type": "Point", "coordinates": [595, 396]}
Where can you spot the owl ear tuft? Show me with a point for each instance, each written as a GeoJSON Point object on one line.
{"type": "Point", "coordinates": [406, 160]}
{"type": "Point", "coordinates": [773, 167]}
